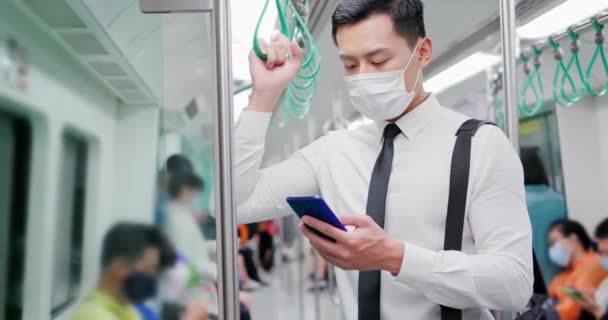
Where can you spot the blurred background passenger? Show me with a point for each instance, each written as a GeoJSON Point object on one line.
{"type": "Point", "coordinates": [132, 258]}
{"type": "Point", "coordinates": [572, 250]}
{"type": "Point", "coordinates": [175, 164]}
{"type": "Point", "coordinates": [595, 303]}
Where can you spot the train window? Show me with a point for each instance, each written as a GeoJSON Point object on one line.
{"type": "Point", "coordinates": [67, 268]}
{"type": "Point", "coordinates": [541, 131]}
{"type": "Point", "coordinates": [15, 145]}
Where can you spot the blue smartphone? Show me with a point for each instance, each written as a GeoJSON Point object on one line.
{"type": "Point", "coordinates": [315, 207]}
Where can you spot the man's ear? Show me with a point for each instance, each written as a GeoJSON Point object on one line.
{"type": "Point", "coordinates": [426, 52]}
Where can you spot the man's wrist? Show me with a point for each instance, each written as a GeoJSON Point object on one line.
{"type": "Point", "coordinates": [394, 256]}
{"type": "Point", "coordinates": [263, 101]}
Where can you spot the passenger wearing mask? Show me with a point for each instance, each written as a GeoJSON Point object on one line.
{"type": "Point", "coordinates": [397, 170]}
{"type": "Point", "coordinates": [545, 206]}
{"type": "Point", "coordinates": [595, 303]}
{"type": "Point", "coordinates": [133, 257]}
{"type": "Point", "coordinates": [571, 249]}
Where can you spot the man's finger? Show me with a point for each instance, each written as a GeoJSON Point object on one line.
{"type": "Point", "coordinates": [318, 242]}
{"type": "Point", "coordinates": [297, 54]}
{"type": "Point", "coordinates": [281, 51]}
{"type": "Point", "coordinates": [271, 57]}
{"type": "Point", "coordinates": [325, 228]}
{"type": "Point", "coordinates": [355, 220]}
{"type": "Point", "coordinates": [332, 259]}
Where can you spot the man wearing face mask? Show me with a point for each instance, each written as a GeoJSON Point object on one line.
{"type": "Point", "coordinates": [133, 257]}
{"type": "Point", "coordinates": [395, 268]}
{"type": "Point", "coordinates": [571, 249]}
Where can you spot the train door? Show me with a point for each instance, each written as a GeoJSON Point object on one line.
{"type": "Point", "coordinates": [67, 270]}
{"type": "Point", "coordinates": [15, 141]}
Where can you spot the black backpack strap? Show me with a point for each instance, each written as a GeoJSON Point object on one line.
{"type": "Point", "coordinates": [457, 200]}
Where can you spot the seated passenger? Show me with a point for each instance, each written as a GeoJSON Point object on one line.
{"type": "Point", "coordinates": [175, 164]}
{"type": "Point", "coordinates": [571, 249]}
{"type": "Point", "coordinates": [132, 257]}
{"type": "Point", "coordinates": [595, 303]}
{"type": "Point", "coordinates": [248, 271]}
{"type": "Point", "coordinates": [545, 205]}
{"type": "Point", "coordinates": [183, 230]}
{"type": "Point", "coordinates": [182, 227]}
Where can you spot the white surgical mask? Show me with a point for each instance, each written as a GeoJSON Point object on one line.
{"type": "Point", "coordinates": [383, 95]}
{"type": "Point", "coordinates": [560, 254]}
{"type": "Point", "coordinates": [604, 261]}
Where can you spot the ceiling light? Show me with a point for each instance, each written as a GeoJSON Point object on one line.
{"type": "Point", "coordinates": [561, 17]}
{"type": "Point", "coordinates": [461, 71]}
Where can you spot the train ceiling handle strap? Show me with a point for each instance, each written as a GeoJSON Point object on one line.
{"type": "Point", "coordinates": [558, 54]}
{"type": "Point", "coordinates": [574, 61]}
{"type": "Point", "coordinates": [599, 53]}
{"type": "Point", "coordinates": [459, 182]}
{"type": "Point", "coordinates": [533, 81]}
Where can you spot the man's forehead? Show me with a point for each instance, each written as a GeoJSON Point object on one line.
{"type": "Point", "coordinates": [366, 36]}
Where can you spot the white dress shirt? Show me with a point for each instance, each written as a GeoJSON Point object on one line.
{"type": "Point", "coordinates": [494, 271]}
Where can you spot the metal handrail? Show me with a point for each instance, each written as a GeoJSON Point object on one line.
{"type": "Point", "coordinates": [223, 134]}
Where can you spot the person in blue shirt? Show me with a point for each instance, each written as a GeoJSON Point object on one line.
{"type": "Point", "coordinates": [545, 206]}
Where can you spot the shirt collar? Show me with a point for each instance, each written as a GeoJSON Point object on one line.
{"type": "Point", "coordinates": [414, 121]}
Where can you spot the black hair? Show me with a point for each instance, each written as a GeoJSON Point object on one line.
{"type": "Point", "coordinates": [181, 180]}
{"type": "Point", "coordinates": [407, 15]}
{"type": "Point", "coordinates": [601, 231]}
{"type": "Point", "coordinates": [569, 227]}
{"type": "Point", "coordinates": [178, 164]}
{"type": "Point", "coordinates": [534, 170]}
{"type": "Point", "coordinates": [129, 241]}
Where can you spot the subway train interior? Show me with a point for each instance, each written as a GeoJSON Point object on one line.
{"type": "Point", "coordinates": [101, 99]}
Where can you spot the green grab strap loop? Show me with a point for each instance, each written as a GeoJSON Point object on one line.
{"type": "Point", "coordinates": [296, 101]}
{"type": "Point", "coordinates": [574, 60]}
{"type": "Point", "coordinates": [284, 28]}
{"type": "Point", "coordinates": [560, 67]}
{"type": "Point", "coordinates": [537, 87]}
{"type": "Point", "coordinates": [599, 52]}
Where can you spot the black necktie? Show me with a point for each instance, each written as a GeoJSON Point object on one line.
{"type": "Point", "coordinates": [369, 281]}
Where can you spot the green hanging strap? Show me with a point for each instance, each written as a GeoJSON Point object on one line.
{"type": "Point", "coordinates": [574, 61]}
{"type": "Point", "coordinates": [561, 67]}
{"type": "Point", "coordinates": [297, 98]}
{"type": "Point", "coordinates": [283, 22]}
{"type": "Point", "coordinates": [533, 81]}
{"type": "Point", "coordinates": [599, 52]}
{"type": "Point", "coordinates": [498, 101]}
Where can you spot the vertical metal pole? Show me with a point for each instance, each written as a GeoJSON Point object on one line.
{"type": "Point", "coordinates": [225, 208]}
{"type": "Point", "coordinates": [508, 41]}
{"type": "Point", "coordinates": [507, 35]}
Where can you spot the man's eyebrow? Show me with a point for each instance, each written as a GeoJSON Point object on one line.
{"type": "Point", "coordinates": [345, 56]}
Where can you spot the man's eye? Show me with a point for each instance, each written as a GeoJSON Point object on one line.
{"type": "Point", "coordinates": [379, 63]}
{"type": "Point", "coordinates": [350, 67]}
